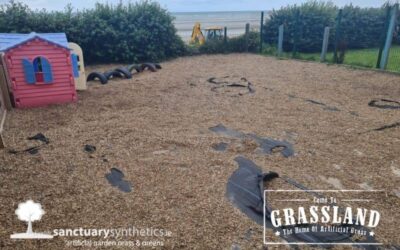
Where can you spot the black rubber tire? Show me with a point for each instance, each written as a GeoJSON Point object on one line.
{"type": "Point", "coordinates": [110, 74]}
{"type": "Point", "coordinates": [125, 72]}
{"type": "Point", "coordinates": [97, 75]}
{"type": "Point", "coordinates": [149, 66]}
{"type": "Point", "coordinates": [384, 104]}
{"type": "Point", "coordinates": [136, 67]}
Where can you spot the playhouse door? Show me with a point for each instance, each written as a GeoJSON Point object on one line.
{"type": "Point", "coordinates": [78, 66]}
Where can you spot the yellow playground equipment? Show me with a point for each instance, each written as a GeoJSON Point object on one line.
{"type": "Point", "coordinates": [213, 33]}
{"type": "Point", "coordinates": [197, 35]}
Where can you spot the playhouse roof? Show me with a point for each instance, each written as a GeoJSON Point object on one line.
{"type": "Point", "coordinates": [11, 40]}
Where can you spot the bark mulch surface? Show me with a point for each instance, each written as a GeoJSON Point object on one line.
{"type": "Point", "coordinates": [155, 129]}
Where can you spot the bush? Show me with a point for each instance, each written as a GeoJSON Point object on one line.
{"type": "Point", "coordinates": [108, 33]}
{"type": "Point", "coordinates": [306, 21]}
{"type": "Point", "coordinates": [192, 50]}
{"type": "Point", "coordinates": [233, 45]}
{"type": "Point", "coordinates": [213, 47]}
{"type": "Point", "coordinates": [361, 27]}
{"type": "Point", "coordinates": [238, 44]}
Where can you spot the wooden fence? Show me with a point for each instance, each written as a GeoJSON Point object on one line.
{"type": "Point", "coordinates": [5, 102]}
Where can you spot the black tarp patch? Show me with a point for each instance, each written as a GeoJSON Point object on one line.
{"type": "Point", "coordinates": [115, 178]}
{"type": "Point", "coordinates": [267, 145]}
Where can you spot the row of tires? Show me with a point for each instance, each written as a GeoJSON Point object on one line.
{"type": "Point", "coordinates": [122, 72]}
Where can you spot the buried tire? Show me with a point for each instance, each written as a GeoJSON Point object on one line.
{"type": "Point", "coordinates": [112, 74]}
{"type": "Point", "coordinates": [136, 67]}
{"type": "Point", "coordinates": [384, 104]}
{"type": "Point", "coordinates": [125, 72]}
{"type": "Point", "coordinates": [96, 75]}
{"type": "Point", "coordinates": [150, 66]}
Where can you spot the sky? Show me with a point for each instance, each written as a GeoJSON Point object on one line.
{"type": "Point", "coordinates": [194, 5]}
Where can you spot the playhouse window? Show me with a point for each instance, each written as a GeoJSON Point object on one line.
{"type": "Point", "coordinates": [42, 68]}
{"type": "Point", "coordinates": [37, 66]}
{"type": "Point", "coordinates": [79, 65]}
{"type": "Point", "coordinates": [75, 64]}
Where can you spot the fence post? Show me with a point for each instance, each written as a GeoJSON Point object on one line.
{"type": "Point", "coordinates": [383, 36]}
{"type": "Point", "coordinates": [337, 35]}
{"type": "Point", "coordinates": [247, 36]}
{"type": "Point", "coordinates": [296, 34]}
{"type": "Point", "coordinates": [261, 31]}
{"type": "Point", "coordinates": [389, 37]}
{"type": "Point", "coordinates": [325, 44]}
{"type": "Point", "coordinates": [280, 40]}
{"type": "Point", "coordinates": [225, 35]}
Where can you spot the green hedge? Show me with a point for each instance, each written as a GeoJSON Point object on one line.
{"type": "Point", "coordinates": [238, 44]}
{"type": "Point", "coordinates": [132, 32]}
{"type": "Point", "coordinates": [363, 27]}
{"type": "Point", "coordinates": [232, 45]}
{"type": "Point", "coordinates": [305, 23]}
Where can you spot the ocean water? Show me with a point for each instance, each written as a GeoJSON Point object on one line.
{"type": "Point", "coordinates": [235, 21]}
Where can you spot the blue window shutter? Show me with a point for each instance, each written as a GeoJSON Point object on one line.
{"type": "Point", "coordinates": [47, 73]}
{"type": "Point", "coordinates": [74, 59]}
{"type": "Point", "coordinates": [29, 71]}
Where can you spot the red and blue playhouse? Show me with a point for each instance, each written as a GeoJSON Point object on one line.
{"type": "Point", "coordinates": [37, 70]}
{"type": "Point", "coordinates": [40, 67]}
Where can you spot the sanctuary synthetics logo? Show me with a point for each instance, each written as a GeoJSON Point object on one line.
{"type": "Point", "coordinates": [29, 212]}
{"type": "Point", "coordinates": [321, 217]}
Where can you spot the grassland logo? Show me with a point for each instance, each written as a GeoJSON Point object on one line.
{"type": "Point", "coordinates": [327, 217]}
{"type": "Point", "coordinates": [29, 212]}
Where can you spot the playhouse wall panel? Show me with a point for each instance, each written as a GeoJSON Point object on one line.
{"type": "Point", "coordinates": [49, 50]}
{"type": "Point", "coordinates": [33, 92]}
{"type": "Point", "coordinates": [56, 56]}
{"type": "Point", "coordinates": [56, 68]}
{"type": "Point", "coordinates": [42, 86]}
{"type": "Point", "coordinates": [44, 100]}
{"type": "Point", "coordinates": [41, 94]}
{"type": "Point", "coordinates": [80, 80]}
{"type": "Point", "coordinates": [20, 79]}
{"type": "Point", "coordinates": [62, 88]}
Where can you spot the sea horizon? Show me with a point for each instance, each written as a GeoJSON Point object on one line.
{"type": "Point", "coordinates": [235, 21]}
